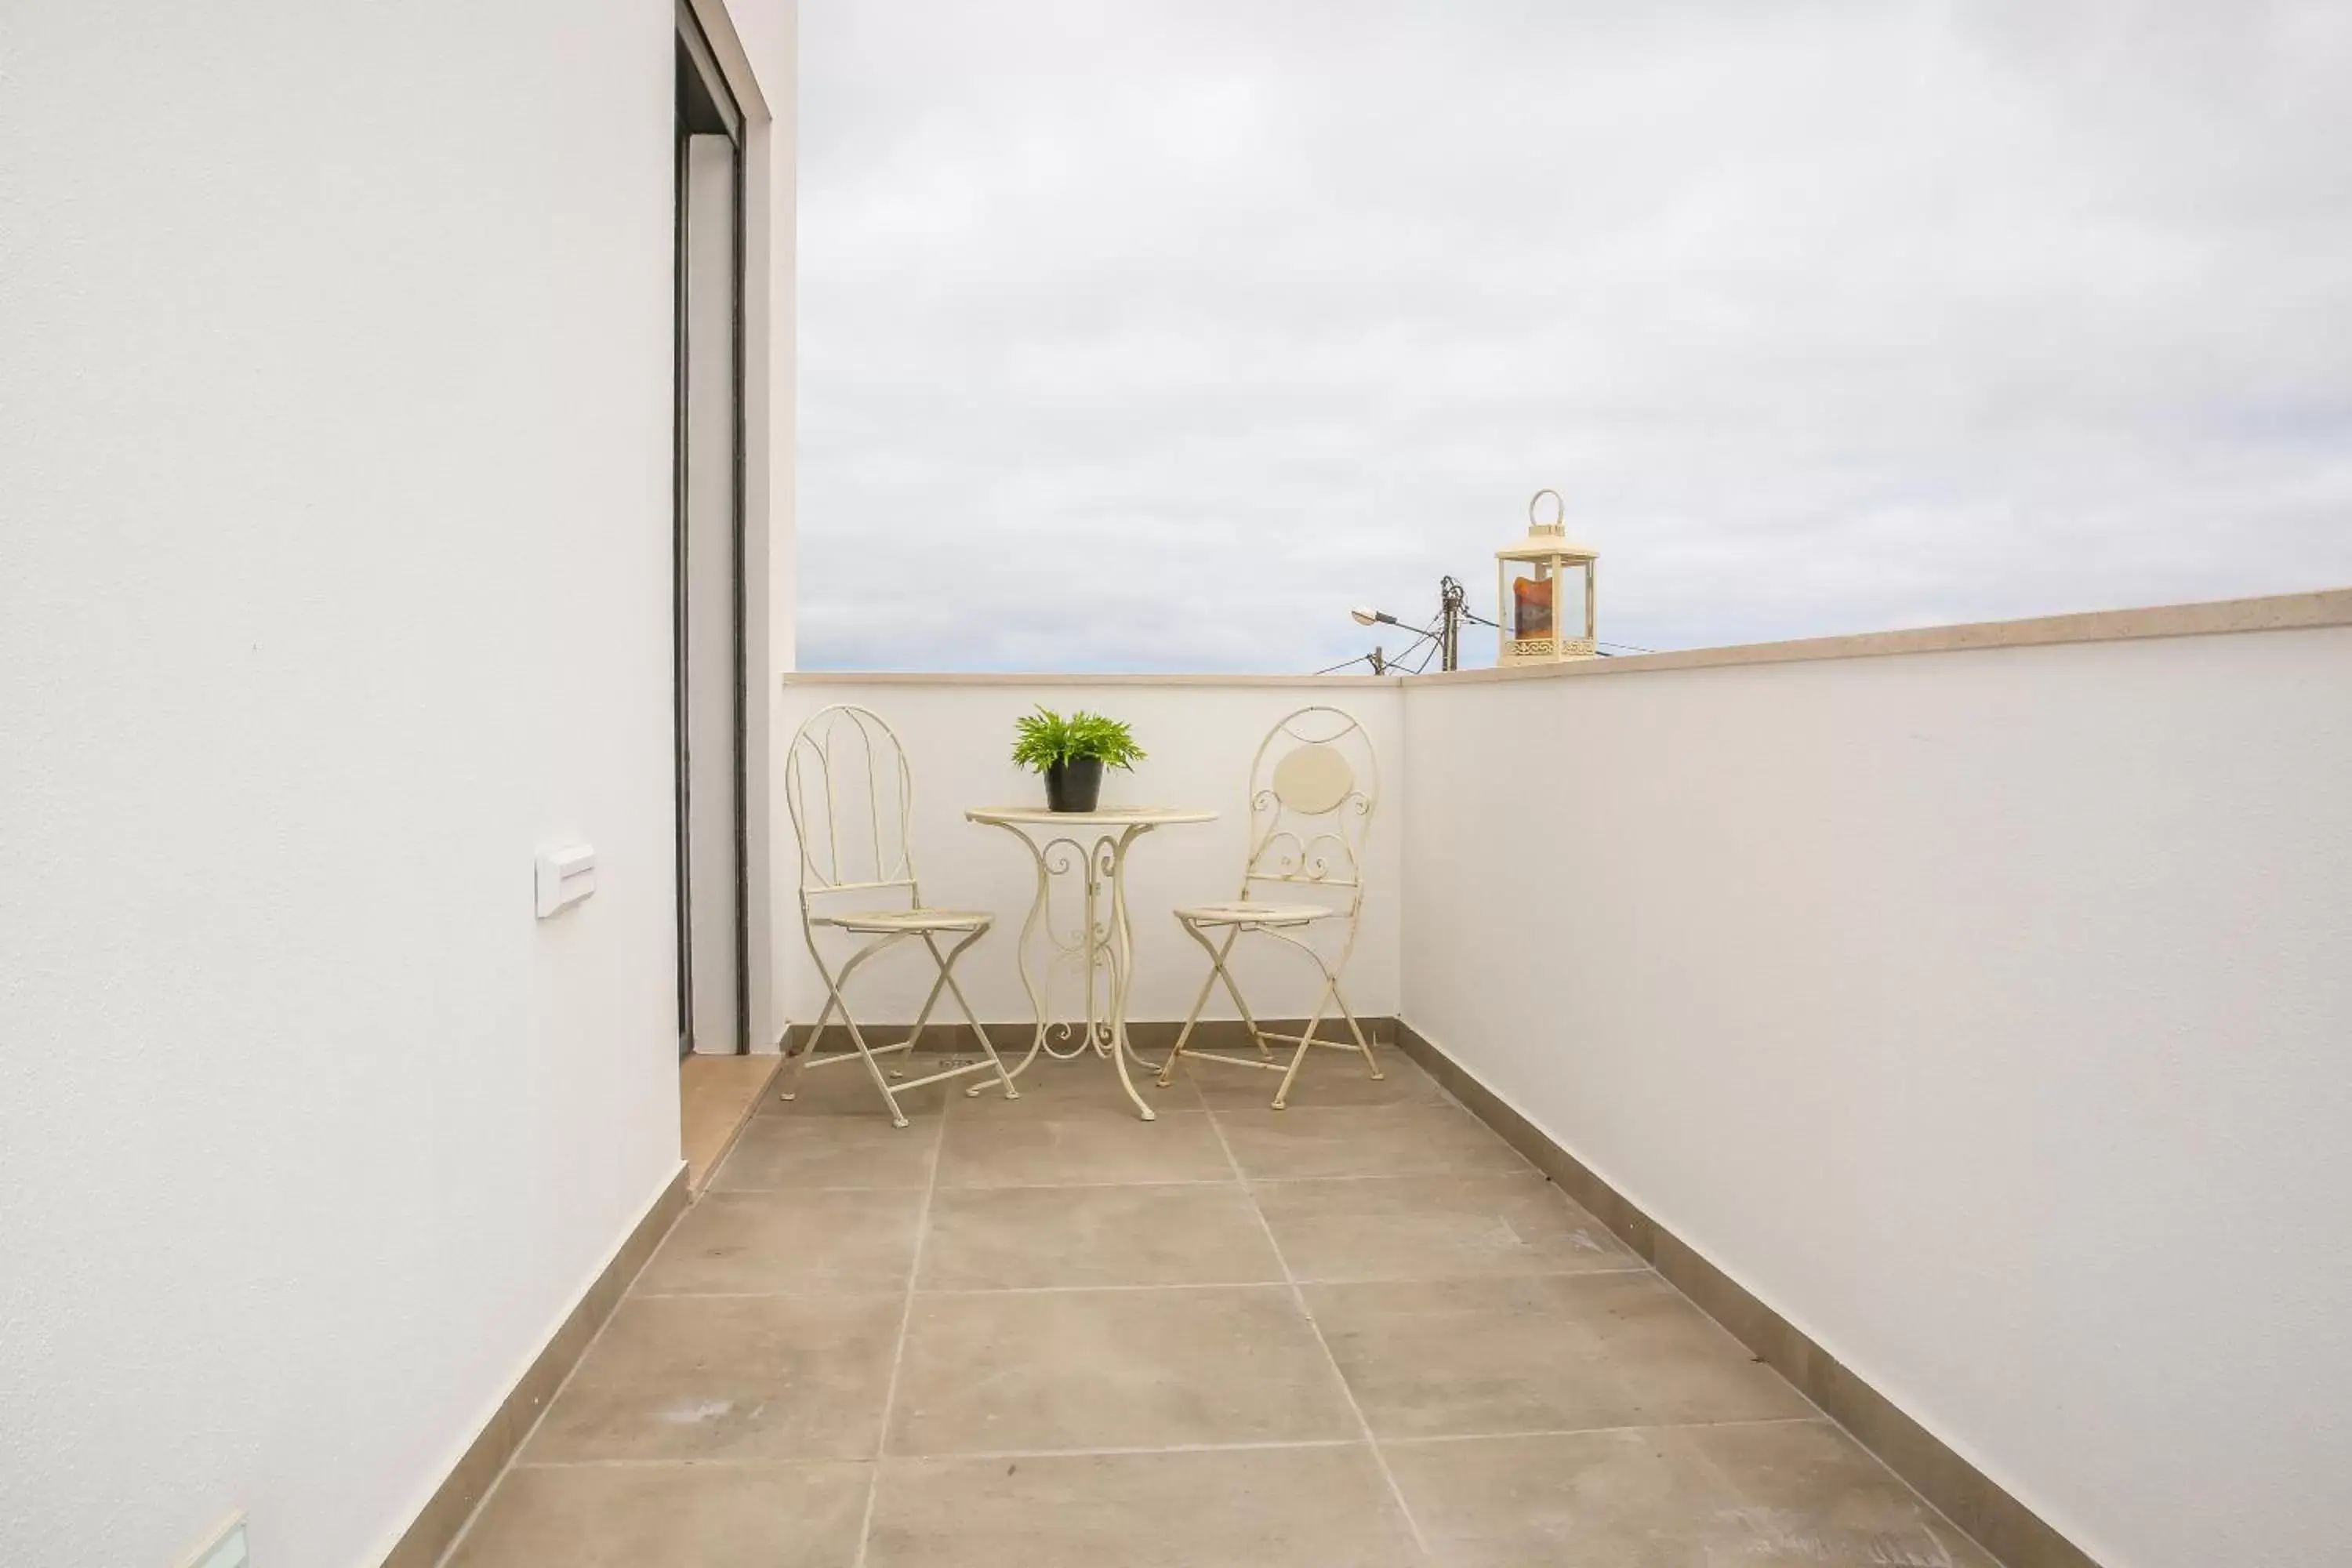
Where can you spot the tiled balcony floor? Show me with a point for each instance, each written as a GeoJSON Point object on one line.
{"type": "Point", "coordinates": [1044, 1334]}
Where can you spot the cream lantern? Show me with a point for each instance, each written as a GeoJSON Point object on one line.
{"type": "Point", "coordinates": [1536, 595]}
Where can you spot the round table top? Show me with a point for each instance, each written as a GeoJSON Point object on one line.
{"type": "Point", "coordinates": [1108, 816]}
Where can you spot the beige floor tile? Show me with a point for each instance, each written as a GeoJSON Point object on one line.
{"type": "Point", "coordinates": [677, 1516]}
{"type": "Point", "coordinates": [1285, 1507]}
{"type": "Point", "coordinates": [1009, 1148]}
{"type": "Point", "coordinates": [1542, 1399]}
{"type": "Point", "coordinates": [988, 1238]}
{"type": "Point", "coordinates": [1453, 1357]}
{"type": "Point", "coordinates": [798, 1154]}
{"type": "Point", "coordinates": [821, 1240]}
{"type": "Point", "coordinates": [1674, 1361]}
{"type": "Point", "coordinates": [1567, 1352]}
{"type": "Point", "coordinates": [1367, 1141]}
{"type": "Point", "coordinates": [1084, 1089]}
{"type": "Point", "coordinates": [1330, 1079]}
{"type": "Point", "coordinates": [1809, 1493]}
{"type": "Point", "coordinates": [1113, 1369]}
{"type": "Point", "coordinates": [1435, 1227]}
{"type": "Point", "coordinates": [685, 1377]}
{"type": "Point", "coordinates": [1594, 1500]}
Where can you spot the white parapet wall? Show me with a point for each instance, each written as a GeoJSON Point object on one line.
{"type": "Point", "coordinates": [1987, 1012]}
{"type": "Point", "coordinates": [1201, 732]}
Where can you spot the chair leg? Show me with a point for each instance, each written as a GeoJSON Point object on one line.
{"type": "Point", "coordinates": [947, 978]}
{"type": "Point", "coordinates": [1330, 997]}
{"type": "Point", "coordinates": [1305, 1043]}
{"type": "Point", "coordinates": [1216, 965]}
{"type": "Point", "coordinates": [816, 1033]}
{"type": "Point", "coordinates": [923, 1019]}
{"type": "Point", "coordinates": [1241, 1002]}
{"type": "Point", "coordinates": [1370, 1061]}
{"type": "Point", "coordinates": [898, 1117]}
{"type": "Point", "coordinates": [833, 998]}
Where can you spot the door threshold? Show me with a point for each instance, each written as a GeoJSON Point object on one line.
{"type": "Point", "coordinates": [716, 1098]}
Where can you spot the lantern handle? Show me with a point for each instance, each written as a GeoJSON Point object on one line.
{"type": "Point", "coordinates": [1560, 514]}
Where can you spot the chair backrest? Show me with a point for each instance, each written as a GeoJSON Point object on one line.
{"type": "Point", "coordinates": [1313, 789]}
{"type": "Point", "coordinates": [851, 796]}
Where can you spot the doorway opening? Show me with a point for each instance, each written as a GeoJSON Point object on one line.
{"type": "Point", "coordinates": [707, 556]}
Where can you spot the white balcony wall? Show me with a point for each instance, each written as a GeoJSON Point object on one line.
{"type": "Point", "coordinates": [1201, 732]}
{"type": "Point", "coordinates": [335, 465]}
{"type": "Point", "coordinates": [1987, 1014]}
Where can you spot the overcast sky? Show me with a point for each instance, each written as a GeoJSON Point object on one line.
{"type": "Point", "coordinates": [1143, 336]}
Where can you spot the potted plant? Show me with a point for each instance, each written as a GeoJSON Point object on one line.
{"type": "Point", "coordinates": [1072, 752]}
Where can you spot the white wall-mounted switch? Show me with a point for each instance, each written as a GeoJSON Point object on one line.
{"type": "Point", "coordinates": [567, 874]}
{"type": "Point", "coordinates": [226, 1549]}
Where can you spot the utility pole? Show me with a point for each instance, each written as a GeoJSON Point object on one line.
{"type": "Point", "coordinates": [1449, 610]}
{"type": "Point", "coordinates": [1442, 641]}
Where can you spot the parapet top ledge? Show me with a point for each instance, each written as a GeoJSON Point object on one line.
{"type": "Point", "coordinates": [2274, 613]}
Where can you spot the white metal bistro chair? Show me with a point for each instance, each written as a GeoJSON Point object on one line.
{"type": "Point", "coordinates": [851, 796]}
{"type": "Point", "coordinates": [1313, 787]}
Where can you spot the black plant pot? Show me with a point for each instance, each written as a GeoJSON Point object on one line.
{"type": "Point", "coordinates": [1074, 785]}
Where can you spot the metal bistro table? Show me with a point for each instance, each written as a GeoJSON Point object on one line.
{"type": "Point", "coordinates": [1102, 940]}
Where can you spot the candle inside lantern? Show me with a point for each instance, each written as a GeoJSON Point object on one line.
{"type": "Point", "coordinates": [1531, 606]}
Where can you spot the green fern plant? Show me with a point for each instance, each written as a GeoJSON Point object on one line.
{"type": "Point", "coordinates": [1045, 740]}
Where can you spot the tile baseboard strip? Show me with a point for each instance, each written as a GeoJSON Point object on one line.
{"type": "Point", "coordinates": [1149, 1036]}
{"type": "Point", "coordinates": [2003, 1526]}
{"type": "Point", "coordinates": [453, 1502]}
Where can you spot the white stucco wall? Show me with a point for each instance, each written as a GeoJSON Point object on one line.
{"type": "Point", "coordinates": [1986, 1013]}
{"type": "Point", "coordinates": [334, 560]}
{"type": "Point", "coordinates": [1201, 733]}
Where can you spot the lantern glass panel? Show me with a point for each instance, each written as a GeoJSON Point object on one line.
{"type": "Point", "coordinates": [1575, 580]}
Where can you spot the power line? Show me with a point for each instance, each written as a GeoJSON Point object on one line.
{"type": "Point", "coordinates": [1383, 663]}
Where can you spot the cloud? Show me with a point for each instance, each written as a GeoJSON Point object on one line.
{"type": "Point", "coordinates": [1154, 336]}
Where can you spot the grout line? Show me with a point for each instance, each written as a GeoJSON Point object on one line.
{"type": "Point", "coordinates": [1065, 1186]}
{"type": "Point", "coordinates": [1270, 1446]}
{"type": "Point", "coordinates": [854, 1293]}
{"type": "Point", "coordinates": [1529, 1273]}
{"type": "Point", "coordinates": [1270, 1284]}
{"type": "Point", "coordinates": [1264, 1448]}
{"type": "Point", "coordinates": [1458, 1175]}
{"type": "Point", "coordinates": [1299, 1297]}
{"type": "Point", "coordinates": [991, 1289]}
{"type": "Point", "coordinates": [898, 1355]}
{"type": "Point", "coordinates": [995, 1186]}
{"type": "Point", "coordinates": [800, 1462]}
{"type": "Point", "coordinates": [1604, 1431]}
